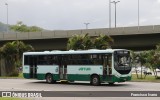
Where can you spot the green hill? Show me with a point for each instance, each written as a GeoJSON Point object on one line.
{"type": "Point", "coordinates": [20, 28]}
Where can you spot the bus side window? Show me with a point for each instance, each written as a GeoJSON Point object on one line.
{"type": "Point", "coordinates": [26, 60]}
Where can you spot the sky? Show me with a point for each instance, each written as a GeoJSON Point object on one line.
{"type": "Point", "coordinates": [72, 14]}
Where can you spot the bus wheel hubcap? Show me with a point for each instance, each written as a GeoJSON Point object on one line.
{"type": "Point", "coordinates": [49, 79]}
{"type": "Point", "coordinates": [95, 80]}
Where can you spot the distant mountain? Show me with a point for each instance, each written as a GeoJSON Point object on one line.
{"type": "Point", "coordinates": [3, 27]}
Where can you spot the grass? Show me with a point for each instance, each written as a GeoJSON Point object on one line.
{"type": "Point", "coordinates": [19, 76]}
{"type": "Point", "coordinates": [149, 78]}
{"type": "Point", "coordinates": [7, 98]}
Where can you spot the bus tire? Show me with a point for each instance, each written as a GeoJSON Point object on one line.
{"type": "Point", "coordinates": [95, 80]}
{"type": "Point", "coordinates": [71, 81]}
{"type": "Point", "coordinates": [111, 83]}
{"type": "Point", "coordinates": [49, 78]}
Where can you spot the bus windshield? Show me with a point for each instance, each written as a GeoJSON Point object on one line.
{"type": "Point", "coordinates": [122, 62]}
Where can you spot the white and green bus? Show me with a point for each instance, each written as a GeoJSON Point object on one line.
{"type": "Point", "coordinates": [95, 66]}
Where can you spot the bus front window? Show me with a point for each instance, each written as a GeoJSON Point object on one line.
{"type": "Point", "coordinates": [122, 63]}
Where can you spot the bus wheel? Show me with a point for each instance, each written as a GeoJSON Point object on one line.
{"type": "Point", "coordinates": [49, 78]}
{"type": "Point", "coordinates": [95, 80]}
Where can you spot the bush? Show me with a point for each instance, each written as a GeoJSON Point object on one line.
{"type": "Point", "coordinates": [15, 73]}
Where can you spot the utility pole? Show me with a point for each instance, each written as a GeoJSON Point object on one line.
{"type": "Point", "coordinates": [115, 3]}
{"type": "Point", "coordinates": [86, 25]}
{"type": "Point", "coordinates": [109, 14]}
{"type": "Point", "coordinates": [7, 16]}
{"type": "Point", "coordinates": [138, 15]}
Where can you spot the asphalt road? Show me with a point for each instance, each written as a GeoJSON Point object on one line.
{"type": "Point", "coordinates": [37, 85]}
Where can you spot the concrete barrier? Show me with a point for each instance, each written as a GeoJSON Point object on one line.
{"type": "Point", "coordinates": [92, 32]}
{"type": "Point", "coordinates": [73, 32]}
{"type": "Point", "coordinates": [131, 30]}
{"type": "Point", "coordinates": [102, 31]}
{"type": "Point", "coordinates": [116, 31]}
{"type": "Point", "coordinates": [156, 29]}
{"type": "Point", "coordinates": [1, 36]}
{"type": "Point", "coordinates": [60, 34]}
{"type": "Point", "coordinates": [35, 35]}
{"type": "Point", "coordinates": [50, 34]}
{"type": "Point", "coordinates": [8, 36]}
{"type": "Point", "coordinates": [145, 29]}
{"type": "Point", "coordinates": [22, 36]}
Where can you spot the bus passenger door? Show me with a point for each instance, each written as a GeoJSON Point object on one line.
{"type": "Point", "coordinates": [62, 70]}
{"type": "Point", "coordinates": [107, 68]}
{"type": "Point", "coordinates": [109, 61]}
{"type": "Point", "coordinates": [33, 66]}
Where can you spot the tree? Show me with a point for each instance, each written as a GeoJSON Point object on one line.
{"type": "Point", "coordinates": [20, 27]}
{"type": "Point", "coordinates": [85, 42]}
{"type": "Point", "coordinates": [134, 57]}
{"type": "Point", "coordinates": [153, 60]}
{"type": "Point", "coordinates": [8, 56]}
{"type": "Point", "coordinates": [34, 29]}
{"type": "Point", "coordinates": [103, 42]}
{"type": "Point", "coordinates": [12, 52]}
{"type": "Point", "coordinates": [142, 59]}
{"type": "Point", "coordinates": [20, 48]}
{"type": "Point", "coordinates": [82, 42]}
{"type": "Point", "coordinates": [156, 64]}
{"type": "Point", "coordinates": [150, 59]}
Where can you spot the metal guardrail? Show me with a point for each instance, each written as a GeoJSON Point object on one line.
{"type": "Point", "coordinates": [92, 32]}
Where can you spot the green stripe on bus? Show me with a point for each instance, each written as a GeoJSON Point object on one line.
{"type": "Point", "coordinates": [82, 77]}
{"type": "Point", "coordinates": [121, 79]}
{"type": "Point", "coordinates": [43, 76]}
{"type": "Point", "coordinates": [109, 78]}
{"type": "Point", "coordinates": [79, 77]}
{"type": "Point", "coordinates": [26, 75]}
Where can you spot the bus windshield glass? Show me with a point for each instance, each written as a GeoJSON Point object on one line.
{"type": "Point", "coordinates": [122, 62]}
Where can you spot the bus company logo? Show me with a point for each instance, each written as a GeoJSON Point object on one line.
{"type": "Point", "coordinates": [84, 69]}
{"type": "Point", "coordinates": [6, 94]}
{"type": "Point", "coordinates": [56, 70]}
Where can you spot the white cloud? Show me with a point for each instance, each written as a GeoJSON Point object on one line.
{"type": "Point", "coordinates": [71, 14]}
{"type": "Point", "coordinates": [158, 17]}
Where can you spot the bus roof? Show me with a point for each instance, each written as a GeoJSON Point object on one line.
{"type": "Point", "coordinates": [90, 51]}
